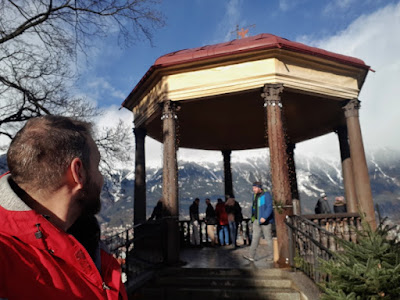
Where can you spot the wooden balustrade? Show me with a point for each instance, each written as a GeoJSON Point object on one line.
{"type": "Point", "coordinates": [186, 231]}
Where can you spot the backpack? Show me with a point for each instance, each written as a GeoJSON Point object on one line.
{"type": "Point", "coordinates": [317, 208]}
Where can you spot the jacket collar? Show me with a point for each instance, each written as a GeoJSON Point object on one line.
{"type": "Point", "coordinates": [9, 200]}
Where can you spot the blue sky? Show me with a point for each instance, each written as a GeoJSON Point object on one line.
{"type": "Point", "coordinates": [367, 29]}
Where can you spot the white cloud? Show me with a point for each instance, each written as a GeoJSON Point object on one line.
{"type": "Point", "coordinates": [226, 27]}
{"type": "Point", "coordinates": [99, 89]}
{"type": "Point", "coordinates": [284, 5]}
{"type": "Point", "coordinates": [374, 38]}
{"type": "Point", "coordinates": [112, 115]}
{"type": "Point", "coordinates": [337, 5]}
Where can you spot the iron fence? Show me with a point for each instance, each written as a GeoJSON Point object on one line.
{"type": "Point", "coordinates": [315, 237]}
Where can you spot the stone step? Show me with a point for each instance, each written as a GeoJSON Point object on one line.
{"type": "Point", "coordinates": [227, 281]}
{"type": "Point", "coordinates": [220, 293]}
{"type": "Point", "coordinates": [224, 272]}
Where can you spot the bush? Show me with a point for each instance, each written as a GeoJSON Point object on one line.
{"type": "Point", "coordinates": [369, 269]}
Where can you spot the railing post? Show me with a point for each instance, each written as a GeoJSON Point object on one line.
{"type": "Point", "coordinates": [127, 244]}
{"type": "Point", "coordinates": [201, 232]}
{"type": "Point", "coordinates": [315, 258]}
{"type": "Point", "coordinates": [291, 243]}
{"type": "Point", "coordinates": [206, 231]}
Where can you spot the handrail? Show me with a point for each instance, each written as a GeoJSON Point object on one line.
{"type": "Point", "coordinates": [310, 237]}
{"type": "Point", "coordinates": [117, 234]}
{"type": "Point", "coordinates": [186, 232]}
{"type": "Point", "coordinates": [309, 242]}
{"type": "Point", "coordinates": [121, 245]}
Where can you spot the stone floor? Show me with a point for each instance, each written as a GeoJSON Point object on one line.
{"type": "Point", "coordinates": [224, 257]}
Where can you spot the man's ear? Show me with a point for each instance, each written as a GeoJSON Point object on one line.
{"type": "Point", "coordinates": [77, 173]}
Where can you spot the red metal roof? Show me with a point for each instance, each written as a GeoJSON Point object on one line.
{"type": "Point", "coordinates": [262, 41]}
{"type": "Point", "coordinates": [258, 42]}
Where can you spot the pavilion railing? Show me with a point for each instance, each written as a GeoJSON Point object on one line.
{"type": "Point", "coordinates": [186, 232]}
{"type": "Point", "coordinates": [138, 249]}
{"type": "Point", "coordinates": [120, 245]}
{"type": "Point", "coordinates": [315, 237]}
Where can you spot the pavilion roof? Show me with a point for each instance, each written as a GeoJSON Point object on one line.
{"type": "Point", "coordinates": [258, 42]}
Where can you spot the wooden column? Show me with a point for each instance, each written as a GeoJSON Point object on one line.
{"type": "Point", "coordinates": [228, 172]}
{"type": "Point", "coordinates": [292, 170]}
{"type": "Point", "coordinates": [170, 180]}
{"type": "Point", "coordinates": [360, 169]}
{"type": "Point", "coordinates": [279, 169]}
{"type": "Point", "coordinates": [139, 208]}
{"type": "Point", "coordinates": [347, 171]}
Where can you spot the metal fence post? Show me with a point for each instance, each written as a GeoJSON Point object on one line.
{"type": "Point", "coordinates": [127, 244]}
{"type": "Point", "coordinates": [291, 245]}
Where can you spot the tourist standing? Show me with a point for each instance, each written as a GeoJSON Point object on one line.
{"type": "Point", "coordinates": [158, 211]}
{"type": "Point", "coordinates": [195, 222]}
{"type": "Point", "coordinates": [222, 219]}
{"type": "Point", "coordinates": [263, 218]}
{"type": "Point", "coordinates": [340, 205]}
{"type": "Point", "coordinates": [211, 221]}
{"type": "Point", "coordinates": [322, 206]}
{"type": "Point", "coordinates": [233, 211]}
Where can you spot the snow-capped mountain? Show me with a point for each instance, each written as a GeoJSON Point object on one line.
{"type": "Point", "coordinates": [205, 179]}
{"type": "Point", "coordinates": [314, 175]}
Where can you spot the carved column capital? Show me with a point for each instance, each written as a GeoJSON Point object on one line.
{"type": "Point", "coordinates": [169, 109]}
{"type": "Point", "coordinates": [272, 94]}
{"type": "Point", "coordinates": [140, 132]}
{"type": "Point", "coordinates": [351, 108]}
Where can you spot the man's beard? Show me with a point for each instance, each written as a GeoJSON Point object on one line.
{"type": "Point", "coordinates": [90, 198]}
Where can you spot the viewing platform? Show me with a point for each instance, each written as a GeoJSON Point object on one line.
{"type": "Point", "coordinates": [221, 272]}
{"type": "Point", "coordinates": [217, 272]}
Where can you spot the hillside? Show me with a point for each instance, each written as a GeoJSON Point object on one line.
{"type": "Point", "coordinates": [314, 175]}
{"type": "Point", "coordinates": [203, 180]}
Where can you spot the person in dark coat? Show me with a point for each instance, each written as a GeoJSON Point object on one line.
{"type": "Point", "coordinates": [195, 222]}
{"type": "Point", "coordinates": [158, 211]}
{"type": "Point", "coordinates": [233, 210]}
{"type": "Point", "coordinates": [322, 206]}
{"type": "Point", "coordinates": [340, 205]}
{"type": "Point", "coordinates": [211, 221]}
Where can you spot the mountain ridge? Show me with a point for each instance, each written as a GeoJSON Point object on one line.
{"type": "Point", "coordinates": [205, 179]}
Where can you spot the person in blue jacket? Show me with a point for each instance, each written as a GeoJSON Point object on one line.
{"type": "Point", "coordinates": [263, 218]}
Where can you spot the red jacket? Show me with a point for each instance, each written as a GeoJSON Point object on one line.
{"type": "Point", "coordinates": [40, 261]}
{"type": "Point", "coordinates": [222, 216]}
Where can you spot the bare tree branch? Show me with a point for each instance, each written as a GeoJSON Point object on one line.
{"type": "Point", "coordinates": [39, 46]}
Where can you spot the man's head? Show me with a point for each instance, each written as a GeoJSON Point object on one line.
{"type": "Point", "coordinates": [208, 201]}
{"type": "Point", "coordinates": [197, 201]}
{"type": "Point", "coordinates": [323, 195]}
{"type": "Point", "coordinates": [257, 187]}
{"type": "Point", "coordinates": [46, 148]}
{"type": "Point", "coordinates": [340, 199]}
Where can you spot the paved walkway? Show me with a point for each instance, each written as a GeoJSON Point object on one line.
{"type": "Point", "coordinates": [224, 257]}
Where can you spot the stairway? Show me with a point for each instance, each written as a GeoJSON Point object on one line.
{"type": "Point", "coordinates": [219, 283]}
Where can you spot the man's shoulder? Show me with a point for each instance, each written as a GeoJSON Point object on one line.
{"type": "Point", "coordinates": [266, 193]}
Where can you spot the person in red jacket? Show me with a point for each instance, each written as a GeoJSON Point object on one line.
{"type": "Point", "coordinates": [222, 218]}
{"type": "Point", "coordinates": [49, 236]}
